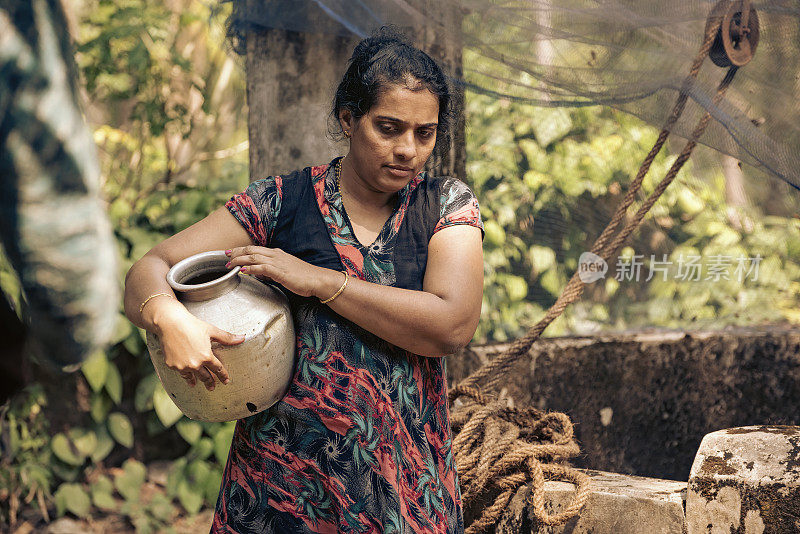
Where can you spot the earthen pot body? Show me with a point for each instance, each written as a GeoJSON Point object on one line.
{"type": "Point", "coordinates": [260, 368]}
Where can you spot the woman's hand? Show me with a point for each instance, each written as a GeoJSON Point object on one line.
{"type": "Point", "coordinates": [294, 274]}
{"type": "Point", "coordinates": [187, 344]}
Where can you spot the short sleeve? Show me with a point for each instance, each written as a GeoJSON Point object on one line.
{"type": "Point", "coordinates": [257, 208]}
{"type": "Point", "coordinates": [457, 205]}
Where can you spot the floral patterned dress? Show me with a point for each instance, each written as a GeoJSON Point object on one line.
{"type": "Point", "coordinates": [362, 440]}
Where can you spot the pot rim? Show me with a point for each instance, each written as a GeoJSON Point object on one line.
{"type": "Point", "coordinates": [212, 256]}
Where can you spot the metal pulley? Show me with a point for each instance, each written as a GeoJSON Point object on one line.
{"type": "Point", "coordinates": [737, 37]}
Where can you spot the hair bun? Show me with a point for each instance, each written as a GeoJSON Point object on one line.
{"type": "Point", "coordinates": [385, 36]}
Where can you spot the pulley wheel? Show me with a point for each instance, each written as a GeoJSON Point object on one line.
{"type": "Point", "coordinates": [735, 44]}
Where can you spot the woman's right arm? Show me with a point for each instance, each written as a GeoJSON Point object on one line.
{"type": "Point", "coordinates": [186, 340]}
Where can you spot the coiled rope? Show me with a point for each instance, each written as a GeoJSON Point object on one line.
{"type": "Point", "coordinates": [499, 448]}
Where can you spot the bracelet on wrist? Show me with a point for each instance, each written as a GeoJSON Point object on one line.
{"type": "Point", "coordinates": [346, 278]}
{"type": "Point", "coordinates": [141, 306]}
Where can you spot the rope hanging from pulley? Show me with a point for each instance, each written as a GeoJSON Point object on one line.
{"type": "Point", "coordinates": [499, 448]}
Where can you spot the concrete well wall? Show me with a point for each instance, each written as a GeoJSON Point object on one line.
{"type": "Point", "coordinates": [642, 401]}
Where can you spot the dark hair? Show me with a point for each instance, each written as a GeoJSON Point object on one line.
{"type": "Point", "coordinates": [385, 58]}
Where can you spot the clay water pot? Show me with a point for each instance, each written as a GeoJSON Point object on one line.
{"type": "Point", "coordinates": [260, 368]}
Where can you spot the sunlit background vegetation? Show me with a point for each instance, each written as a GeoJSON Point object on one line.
{"type": "Point", "coordinates": [166, 100]}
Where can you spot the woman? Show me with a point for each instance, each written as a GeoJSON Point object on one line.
{"type": "Point", "coordinates": [384, 271]}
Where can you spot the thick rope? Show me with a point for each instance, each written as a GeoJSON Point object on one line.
{"type": "Point", "coordinates": [499, 448]}
{"type": "Point", "coordinates": [509, 453]}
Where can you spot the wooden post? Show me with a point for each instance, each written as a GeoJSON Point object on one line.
{"type": "Point", "coordinates": [441, 40]}
{"type": "Point", "coordinates": [291, 79]}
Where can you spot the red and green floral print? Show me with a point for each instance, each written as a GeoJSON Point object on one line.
{"type": "Point", "coordinates": [362, 440]}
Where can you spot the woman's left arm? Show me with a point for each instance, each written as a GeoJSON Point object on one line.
{"type": "Point", "coordinates": [436, 321]}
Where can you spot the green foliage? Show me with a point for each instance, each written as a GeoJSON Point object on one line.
{"type": "Point", "coordinates": [195, 478]}
{"type": "Point", "coordinates": [120, 429]}
{"type": "Point", "coordinates": [173, 147]}
{"type": "Point", "coordinates": [73, 498]}
{"type": "Point", "coordinates": [103, 494]}
{"type": "Point", "coordinates": [130, 481]}
{"type": "Point", "coordinates": [167, 412]}
{"type": "Point", "coordinates": [24, 472]}
{"type": "Point", "coordinates": [548, 181]}
{"type": "Point", "coordinates": [189, 430]}
{"type": "Point", "coordinates": [126, 494]}
{"type": "Point", "coordinates": [172, 97]}
{"type": "Point", "coordinates": [533, 174]}
{"type": "Point", "coordinates": [95, 369]}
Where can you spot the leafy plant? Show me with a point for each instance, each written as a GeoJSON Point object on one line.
{"type": "Point", "coordinates": [548, 181]}
{"type": "Point", "coordinates": [126, 495]}
{"type": "Point", "coordinates": [172, 140]}
{"type": "Point", "coordinates": [24, 475]}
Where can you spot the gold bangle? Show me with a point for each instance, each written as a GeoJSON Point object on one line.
{"type": "Point", "coordinates": [346, 278]}
{"type": "Point", "coordinates": [141, 307]}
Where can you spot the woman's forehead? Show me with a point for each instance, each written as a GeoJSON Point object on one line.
{"type": "Point", "coordinates": [418, 105]}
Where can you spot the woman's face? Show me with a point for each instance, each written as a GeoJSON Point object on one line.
{"type": "Point", "coordinates": [390, 144]}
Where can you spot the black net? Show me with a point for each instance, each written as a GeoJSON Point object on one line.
{"type": "Point", "coordinates": [549, 64]}
{"type": "Point", "coordinates": [632, 55]}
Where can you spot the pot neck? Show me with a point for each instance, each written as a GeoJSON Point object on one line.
{"type": "Point", "coordinates": [203, 277]}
